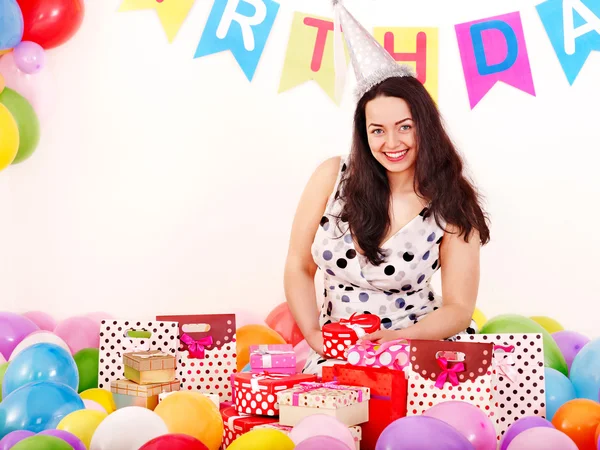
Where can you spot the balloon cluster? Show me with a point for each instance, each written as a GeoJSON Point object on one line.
{"type": "Point", "coordinates": [27, 29]}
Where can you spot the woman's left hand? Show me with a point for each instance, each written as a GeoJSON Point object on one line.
{"type": "Point", "coordinates": [381, 336]}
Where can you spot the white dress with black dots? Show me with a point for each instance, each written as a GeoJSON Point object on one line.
{"type": "Point", "coordinates": [398, 290]}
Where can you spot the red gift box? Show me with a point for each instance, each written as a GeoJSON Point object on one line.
{"type": "Point", "coordinates": [388, 396]}
{"type": "Point", "coordinates": [339, 336]}
{"type": "Point", "coordinates": [256, 393]}
{"type": "Point", "coordinates": [236, 424]}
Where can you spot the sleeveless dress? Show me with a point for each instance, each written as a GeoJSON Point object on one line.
{"type": "Point", "coordinates": [398, 290]}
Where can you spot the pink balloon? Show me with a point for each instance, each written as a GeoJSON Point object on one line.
{"type": "Point", "coordinates": [2, 359]}
{"type": "Point", "coordinates": [468, 420]}
{"type": "Point", "coordinates": [322, 442]}
{"type": "Point", "coordinates": [13, 329]}
{"type": "Point", "coordinates": [542, 438]}
{"type": "Point", "coordinates": [43, 320]}
{"type": "Point", "coordinates": [302, 350]}
{"type": "Point", "coordinates": [79, 333]}
{"type": "Point", "coordinates": [29, 57]}
{"type": "Point", "coordinates": [322, 425]}
{"type": "Point", "coordinates": [91, 404]}
{"type": "Point", "coordinates": [99, 316]}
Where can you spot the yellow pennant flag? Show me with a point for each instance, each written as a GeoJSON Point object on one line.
{"type": "Point", "coordinates": [171, 13]}
{"type": "Point", "coordinates": [416, 46]}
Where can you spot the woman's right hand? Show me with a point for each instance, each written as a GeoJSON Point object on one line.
{"type": "Point", "coordinates": [315, 341]}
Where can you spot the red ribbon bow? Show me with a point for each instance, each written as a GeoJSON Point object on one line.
{"type": "Point", "coordinates": [362, 320]}
{"type": "Point", "coordinates": [195, 348]}
{"type": "Point", "coordinates": [448, 373]}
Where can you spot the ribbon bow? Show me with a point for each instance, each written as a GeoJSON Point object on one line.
{"type": "Point", "coordinates": [358, 323]}
{"type": "Point", "coordinates": [195, 348]}
{"type": "Point", "coordinates": [448, 373]}
{"type": "Point", "coordinates": [266, 355]}
{"type": "Point", "coordinates": [305, 387]}
{"type": "Point", "coordinates": [504, 363]}
{"type": "Point", "coordinates": [256, 377]}
{"type": "Point", "coordinates": [136, 345]}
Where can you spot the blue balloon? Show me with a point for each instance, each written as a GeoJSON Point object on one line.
{"type": "Point", "coordinates": [585, 371]}
{"type": "Point", "coordinates": [247, 368]}
{"type": "Point", "coordinates": [11, 24]}
{"type": "Point", "coordinates": [559, 390]}
{"type": "Point", "coordinates": [40, 362]}
{"type": "Point", "coordinates": [37, 407]}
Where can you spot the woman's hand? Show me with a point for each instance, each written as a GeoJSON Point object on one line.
{"type": "Point", "coordinates": [315, 340]}
{"type": "Point", "coordinates": [381, 336]}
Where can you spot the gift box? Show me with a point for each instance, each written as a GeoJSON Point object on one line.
{"type": "Point", "coordinates": [388, 396]}
{"type": "Point", "coordinates": [235, 424]}
{"type": "Point", "coordinates": [127, 393]}
{"type": "Point", "coordinates": [518, 382]}
{"type": "Point", "coordinates": [393, 354]}
{"type": "Point", "coordinates": [149, 367]}
{"type": "Point", "coordinates": [212, 397]}
{"type": "Point", "coordinates": [355, 431]}
{"type": "Point", "coordinates": [348, 404]}
{"type": "Point", "coordinates": [339, 336]}
{"type": "Point", "coordinates": [257, 393]}
{"type": "Point", "coordinates": [273, 358]}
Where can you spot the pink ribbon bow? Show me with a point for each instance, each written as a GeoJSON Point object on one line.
{"type": "Point", "coordinates": [311, 386]}
{"type": "Point", "coordinates": [504, 363]}
{"type": "Point", "coordinates": [448, 373]}
{"type": "Point", "coordinates": [195, 348]}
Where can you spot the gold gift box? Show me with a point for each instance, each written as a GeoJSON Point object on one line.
{"type": "Point", "coordinates": [128, 393]}
{"type": "Point", "coordinates": [149, 367]}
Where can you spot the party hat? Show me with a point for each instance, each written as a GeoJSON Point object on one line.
{"type": "Point", "coordinates": [371, 62]}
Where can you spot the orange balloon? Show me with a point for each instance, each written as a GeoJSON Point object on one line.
{"type": "Point", "coordinates": [282, 321]}
{"type": "Point", "coordinates": [253, 335]}
{"type": "Point", "coordinates": [597, 437]}
{"type": "Point", "coordinates": [5, 51]}
{"type": "Point", "coordinates": [579, 420]}
{"type": "Point", "coordinates": [191, 413]}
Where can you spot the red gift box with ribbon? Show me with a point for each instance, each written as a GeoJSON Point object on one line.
{"type": "Point", "coordinates": [235, 424]}
{"type": "Point", "coordinates": [339, 336]}
{"type": "Point", "coordinates": [256, 393]}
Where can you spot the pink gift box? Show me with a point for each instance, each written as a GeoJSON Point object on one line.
{"type": "Point", "coordinates": [274, 358]}
{"type": "Point", "coordinates": [392, 355]}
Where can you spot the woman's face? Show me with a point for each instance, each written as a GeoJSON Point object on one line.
{"type": "Point", "coordinates": [391, 133]}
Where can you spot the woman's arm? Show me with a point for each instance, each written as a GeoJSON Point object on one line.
{"type": "Point", "coordinates": [300, 268]}
{"type": "Point", "coordinates": [459, 262]}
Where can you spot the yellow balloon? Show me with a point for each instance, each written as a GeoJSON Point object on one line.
{"type": "Point", "coordinates": [263, 439]}
{"type": "Point", "coordinates": [102, 397]}
{"type": "Point", "coordinates": [551, 325]}
{"type": "Point", "coordinates": [82, 423]}
{"type": "Point", "coordinates": [9, 137]}
{"type": "Point", "coordinates": [192, 413]}
{"type": "Point", "coordinates": [479, 318]}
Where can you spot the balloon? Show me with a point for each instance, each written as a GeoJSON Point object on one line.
{"type": "Point", "coordinates": [27, 123]}
{"type": "Point", "coordinates": [9, 142]}
{"type": "Point", "coordinates": [253, 335]}
{"type": "Point", "coordinates": [193, 414]}
{"type": "Point", "coordinates": [468, 420]}
{"type": "Point", "coordinates": [8, 441]}
{"type": "Point", "coordinates": [570, 344]}
{"type": "Point", "coordinates": [521, 425]}
{"type": "Point", "coordinates": [128, 429]}
{"type": "Point", "coordinates": [11, 24]}
{"type": "Point", "coordinates": [578, 419]}
{"type": "Point", "coordinates": [37, 406]}
{"type": "Point", "coordinates": [87, 366]}
{"type": "Point", "coordinates": [102, 397]}
{"type": "Point", "coordinates": [79, 333]}
{"type": "Point", "coordinates": [322, 425]}
{"type": "Point", "coordinates": [550, 325]}
{"type": "Point", "coordinates": [421, 433]}
{"type": "Point", "coordinates": [263, 439]}
{"type": "Point", "coordinates": [69, 438]}
{"type": "Point", "coordinates": [513, 323]}
{"type": "Point", "coordinates": [41, 442]}
{"type": "Point", "coordinates": [559, 390]}
{"type": "Point", "coordinates": [479, 318]}
{"type": "Point", "coordinates": [596, 438]}
{"type": "Point", "coordinates": [94, 406]}
{"type": "Point", "coordinates": [99, 317]}
{"type": "Point", "coordinates": [243, 318]}
{"type": "Point", "coordinates": [174, 442]}
{"type": "Point", "coordinates": [542, 439]}
{"type": "Point", "coordinates": [322, 442]}
{"type": "Point", "coordinates": [2, 360]}
{"type": "Point", "coordinates": [30, 57]}
{"type": "Point", "coordinates": [43, 320]}
{"type": "Point", "coordinates": [51, 23]}
{"type": "Point", "coordinates": [83, 424]}
{"type": "Point", "coordinates": [3, 369]}
{"type": "Point", "coordinates": [585, 371]}
{"type": "Point", "coordinates": [14, 326]}
{"type": "Point", "coordinates": [39, 337]}
{"type": "Point", "coordinates": [41, 362]}
{"type": "Point", "coordinates": [247, 368]}
{"type": "Point", "coordinates": [2, 83]}
{"type": "Point", "coordinates": [302, 351]}
{"type": "Point", "coordinates": [282, 321]}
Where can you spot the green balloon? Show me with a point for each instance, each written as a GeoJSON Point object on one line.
{"type": "Point", "coordinates": [3, 368]}
{"type": "Point", "coordinates": [42, 442]}
{"type": "Point", "coordinates": [27, 121]}
{"type": "Point", "coordinates": [513, 323]}
{"type": "Point", "coordinates": [87, 365]}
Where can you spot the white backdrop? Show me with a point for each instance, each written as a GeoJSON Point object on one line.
{"type": "Point", "coordinates": [167, 184]}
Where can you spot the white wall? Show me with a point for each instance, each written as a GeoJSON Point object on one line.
{"type": "Point", "coordinates": [181, 197]}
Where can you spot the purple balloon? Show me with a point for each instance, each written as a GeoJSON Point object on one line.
{"type": "Point", "coordinates": [421, 433]}
{"type": "Point", "coordinates": [321, 442]}
{"type": "Point", "coordinates": [8, 441]}
{"type": "Point", "coordinates": [525, 423]}
{"type": "Point", "coordinates": [570, 343]}
{"type": "Point", "coordinates": [69, 438]}
{"type": "Point", "coordinates": [14, 328]}
{"type": "Point", "coordinates": [30, 57]}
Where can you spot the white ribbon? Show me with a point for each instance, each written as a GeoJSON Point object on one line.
{"type": "Point", "coordinates": [505, 364]}
{"type": "Point", "coordinates": [339, 56]}
{"type": "Point", "coordinates": [266, 355]}
{"type": "Point", "coordinates": [256, 378]}
{"type": "Point", "coordinates": [153, 355]}
{"type": "Point", "coordinates": [135, 345]}
{"type": "Point", "coordinates": [232, 419]}
{"type": "Point", "coordinates": [360, 331]}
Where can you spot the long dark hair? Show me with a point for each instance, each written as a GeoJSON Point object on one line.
{"type": "Point", "coordinates": [439, 178]}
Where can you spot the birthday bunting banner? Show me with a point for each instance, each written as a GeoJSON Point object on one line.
{"type": "Point", "coordinates": [491, 49]}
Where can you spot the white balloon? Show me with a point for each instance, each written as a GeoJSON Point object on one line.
{"type": "Point", "coordinates": [128, 429]}
{"type": "Point", "coordinates": [38, 337]}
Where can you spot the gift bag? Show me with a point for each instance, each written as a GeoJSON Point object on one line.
{"type": "Point", "coordinates": [518, 380]}
{"type": "Point", "coordinates": [125, 336]}
{"type": "Point", "coordinates": [442, 371]}
{"type": "Point", "coordinates": [207, 355]}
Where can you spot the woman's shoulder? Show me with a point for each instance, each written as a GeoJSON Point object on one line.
{"type": "Point", "coordinates": [327, 172]}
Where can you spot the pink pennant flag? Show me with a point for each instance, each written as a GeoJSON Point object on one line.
{"type": "Point", "coordinates": [493, 50]}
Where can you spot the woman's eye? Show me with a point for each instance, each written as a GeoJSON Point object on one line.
{"type": "Point", "coordinates": [405, 127]}
{"type": "Point", "coordinates": [377, 131]}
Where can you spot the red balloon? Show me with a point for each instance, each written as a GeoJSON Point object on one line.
{"type": "Point", "coordinates": [174, 442]}
{"type": "Point", "coordinates": [282, 321]}
{"type": "Point", "coordinates": [51, 23]}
